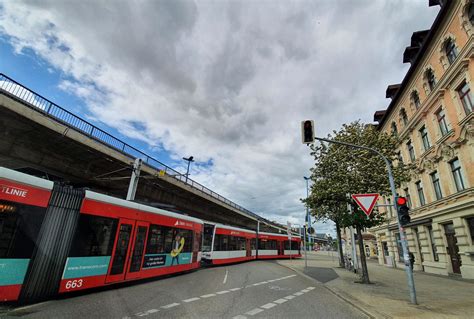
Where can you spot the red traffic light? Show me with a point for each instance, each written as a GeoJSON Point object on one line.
{"type": "Point", "coordinates": [401, 201]}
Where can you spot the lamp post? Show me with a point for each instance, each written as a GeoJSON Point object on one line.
{"type": "Point", "coordinates": [307, 224]}
{"type": "Point", "coordinates": [189, 160]}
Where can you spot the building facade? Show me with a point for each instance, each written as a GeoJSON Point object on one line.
{"type": "Point", "coordinates": [431, 113]}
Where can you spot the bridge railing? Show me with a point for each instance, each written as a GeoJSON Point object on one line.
{"type": "Point", "coordinates": [36, 101]}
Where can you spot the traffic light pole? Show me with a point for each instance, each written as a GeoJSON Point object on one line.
{"type": "Point", "coordinates": [403, 239]}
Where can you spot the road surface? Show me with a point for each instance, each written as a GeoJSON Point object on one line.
{"type": "Point", "coordinates": [257, 289]}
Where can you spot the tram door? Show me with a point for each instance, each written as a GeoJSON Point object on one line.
{"type": "Point", "coordinates": [128, 250]}
{"type": "Point", "coordinates": [138, 250]}
{"type": "Point", "coordinates": [247, 247]}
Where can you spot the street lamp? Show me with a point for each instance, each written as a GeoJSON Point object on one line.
{"type": "Point", "coordinates": [189, 160]}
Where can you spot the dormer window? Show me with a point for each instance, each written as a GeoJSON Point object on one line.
{"type": "Point", "coordinates": [450, 50]}
{"type": "Point", "coordinates": [415, 98]}
{"type": "Point", "coordinates": [430, 79]}
{"type": "Point", "coordinates": [403, 117]}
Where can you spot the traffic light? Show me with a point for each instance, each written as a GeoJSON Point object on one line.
{"type": "Point", "coordinates": [307, 131]}
{"type": "Point", "coordinates": [403, 211]}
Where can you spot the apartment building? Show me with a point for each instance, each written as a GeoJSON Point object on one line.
{"type": "Point", "coordinates": [431, 113]}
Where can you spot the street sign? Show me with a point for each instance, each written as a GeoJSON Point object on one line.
{"type": "Point", "coordinates": [366, 201]}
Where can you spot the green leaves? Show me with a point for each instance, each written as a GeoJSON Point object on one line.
{"type": "Point", "coordinates": [340, 170]}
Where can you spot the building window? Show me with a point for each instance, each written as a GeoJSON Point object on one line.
{"type": "Point", "coordinates": [408, 197]}
{"type": "Point", "coordinates": [421, 195]}
{"type": "Point", "coordinates": [394, 129]}
{"type": "Point", "coordinates": [403, 117]}
{"type": "Point", "coordinates": [441, 118]}
{"type": "Point", "coordinates": [424, 137]}
{"type": "Point", "coordinates": [464, 93]}
{"type": "Point", "coordinates": [470, 13]}
{"type": "Point", "coordinates": [415, 98]}
{"type": "Point", "coordinates": [457, 174]}
{"type": "Point", "coordinates": [470, 224]}
{"type": "Point", "coordinates": [411, 151]}
{"type": "Point", "coordinates": [399, 247]}
{"type": "Point", "coordinates": [430, 79]}
{"type": "Point", "coordinates": [450, 50]}
{"type": "Point", "coordinates": [433, 245]}
{"type": "Point", "coordinates": [436, 185]}
{"type": "Point", "coordinates": [400, 158]}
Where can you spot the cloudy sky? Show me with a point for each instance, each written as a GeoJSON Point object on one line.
{"type": "Point", "coordinates": [225, 81]}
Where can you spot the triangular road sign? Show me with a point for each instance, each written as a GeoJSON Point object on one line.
{"type": "Point", "coordinates": [366, 202]}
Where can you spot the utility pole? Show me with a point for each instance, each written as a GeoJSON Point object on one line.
{"type": "Point", "coordinates": [403, 239]}
{"type": "Point", "coordinates": [132, 187]}
{"type": "Point", "coordinates": [189, 160]}
{"type": "Point", "coordinates": [307, 225]}
{"type": "Point", "coordinates": [355, 260]}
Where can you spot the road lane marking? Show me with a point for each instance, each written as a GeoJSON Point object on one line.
{"type": "Point", "coordinates": [272, 304]}
{"type": "Point", "coordinates": [269, 305]}
{"type": "Point", "coordinates": [254, 311]}
{"type": "Point", "coordinates": [311, 288]}
{"type": "Point", "coordinates": [225, 277]}
{"type": "Point", "coordinates": [171, 305]}
{"type": "Point", "coordinates": [191, 299]}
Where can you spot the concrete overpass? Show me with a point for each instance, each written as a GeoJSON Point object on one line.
{"type": "Point", "coordinates": [41, 138]}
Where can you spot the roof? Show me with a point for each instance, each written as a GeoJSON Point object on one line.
{"type": "Point", "coordinates": [426, 36]}
{"type": "Point", "coordinates": [25, 178]}
{"type": "Point", "coordinates": [133, 205]}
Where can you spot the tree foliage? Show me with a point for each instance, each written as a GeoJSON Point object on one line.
{"type": "Point", "coordinates": [340, 170]}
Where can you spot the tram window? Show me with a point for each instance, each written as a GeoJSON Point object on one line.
{"type": "Point", "coordinates": [221, 243]}
{"type": "Point", "coordinates": [266, 244]}
{"type": "Point", "coordinates": [232, 243]}
{"type": "Point", "coordinates": [295, 245]}
{"type": "Point", "coordinates": [241, 243]}
{"type": "Point", "coordinates": [156, 242]}
{"type": "Point", "coordinates": [197, 242]}
{"type": "Point", "coordinates": [188, 239]}
{"type": "Point", "coordinates": [19, 228]}
{"type": "Point", "coordinates": [287, 245]}
{"type": "Point", "coordinates": [253, 243]}
{"type": "Point", "coordinates": [94, 236]}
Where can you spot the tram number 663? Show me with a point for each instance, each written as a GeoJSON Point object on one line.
{"type": "Point", "coordinates": [71, 284]}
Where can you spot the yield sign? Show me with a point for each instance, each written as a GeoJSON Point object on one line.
{"type": "Point", "coordinates": [366, 202]}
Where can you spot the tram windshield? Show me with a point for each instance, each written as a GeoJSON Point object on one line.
{"type": "Point", "coordinates": [207, 237]}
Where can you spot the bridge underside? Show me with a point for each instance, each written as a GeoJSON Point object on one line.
{"type": "Point", "coordinates": [27, 144]}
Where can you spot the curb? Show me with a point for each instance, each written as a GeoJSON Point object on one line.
{"type": "Point", "coordinates": [346, 298]}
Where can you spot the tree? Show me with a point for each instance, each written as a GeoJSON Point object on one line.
{"type": "Point", "coordinates": [340, 170]}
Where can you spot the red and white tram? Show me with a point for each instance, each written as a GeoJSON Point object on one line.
{"type": "Point", "coordinates": [278, 246]}
{"type": "Point", "coordinates": [57, 239]}
{"type": "Point", "coordinates": [224, 244]}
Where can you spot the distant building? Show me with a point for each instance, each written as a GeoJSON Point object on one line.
{"type": "Point", "coordinates": [431, 112]}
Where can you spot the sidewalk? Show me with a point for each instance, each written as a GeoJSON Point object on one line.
{"type": "Point", "coordinates": [388, 297]}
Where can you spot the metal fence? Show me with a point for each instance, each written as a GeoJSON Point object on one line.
{"type": "Point", "coordinates": [34, 100]}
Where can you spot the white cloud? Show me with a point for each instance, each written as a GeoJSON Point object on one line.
{"type": "Point", "coordinates": [225, 81]}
